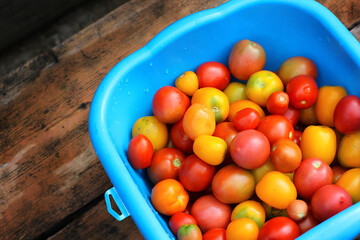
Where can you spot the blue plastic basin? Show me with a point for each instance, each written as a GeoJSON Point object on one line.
{"type": "Point", "coordinates": [285, 28]}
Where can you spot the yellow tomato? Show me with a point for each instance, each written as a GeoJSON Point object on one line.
{"type": "Point", "coordinates": [350, 181]}
{"type": "Point", "coordinates": [261, 85]}
{"type": "Point", "coordinates": [264, 169]}
{"type": "Point", "coordinates": [214, 99]}
{"type": "Point", "coordinates": [241, 104]}
{"type": "Point", "coordinates": [250, 209]}
{"type": "Point", "coordinates": [318, 142]}
{"type": "Point", "coordinates": [242, 229]}
{"type": "Point", "coordinates": [210, 149]}
{"type": "Point", "coordinates": [308, 116]}
{"type": "Point", "coordinates": [349, 150]}
{"type": "Point", "coordinates": [199, 119]}
{"type": "Point", "coordinates": [276, 189]}
{"type": "Point", "coordinates": [188, 83]}
{"type": "Point", "coordinates": [235, 91]}
{"type": "Point", "coordinates": [328, 98]}
{"type": "Point", "coordinates": [153, 129]}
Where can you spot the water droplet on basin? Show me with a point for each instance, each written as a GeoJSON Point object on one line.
{"type": "Point", "coordinates": [150, 64]}
{"type": "Point", "coordinates": [129, 93]}
{"type": "Point", "coordinates": [167, 71]}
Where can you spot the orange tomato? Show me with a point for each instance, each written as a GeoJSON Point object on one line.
{"type": "Point", "coordinates": [318, 142]}
{"type": "Point", "coordinates": [235, 91]}
{"type": "Point", "coordinates": [187, 82]}
{"type": "Point", "coordinates": [328, 98]}
{"type": "Point", "coordinates": [242, 229]}
{"type": "Point", "coordinates": [241, 104]}
{"type": "Point", "coordinates": [285, 155]}
{"type": "Point", "coordinates": [349, 150]}
{"type": "Point", "coordinates": [169, 197]}
{"type": "Point", "coordinates": [308, 116]}
{"type": "Point", "coordinates": [214, 99]}
{"type": "Point", "coordinates": [350, 181]}
{"type": "Point", "coordinates": [210, 149]}
{"type": "Point", "coordinates": [261, 85]}
{"type": "Point", "coordinates": [250, 209]}
{"type": "Point", "coordinates": [276, 189]}
{"type": "Point", "coordinates": [199, 119]}
{"type": "Point", "coordinates": [189, 232]}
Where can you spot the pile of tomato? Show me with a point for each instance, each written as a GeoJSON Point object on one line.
{"type": "Point", "coordinates": [270, 156]}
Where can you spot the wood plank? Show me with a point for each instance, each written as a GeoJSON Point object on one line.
{"type": "Point", "coordinates": [356, 32]}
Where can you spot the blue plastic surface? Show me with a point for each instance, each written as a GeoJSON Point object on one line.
{"type": "Point", "coordinates": [285, 28]}
{"type": "Point", "coordinates": [124, 212]}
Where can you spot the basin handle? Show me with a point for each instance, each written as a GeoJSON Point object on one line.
{"type": "Point", "coordinates": [124, 212]}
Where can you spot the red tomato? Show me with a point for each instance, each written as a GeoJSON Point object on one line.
{"type": "Point", "coordinates": [169, 104]}
{"type": "Point", "coordinates": [293, 115]}
{"type": "Point", "coordinates": [337, 172]}
{"type": "Point", "coordinates": [347, 114]}
{"type": "Point", "coordinates": [140, 152]}
{"type": "Point", "coordinates": [278, 102]}
{"type": "Point", "coordinates": [215, 234]}
{"type": "Point", "coordinates": [213, 74]}
{"type": "Point", "coordinates": [279, 228]}
{"type": "Point", "coordinates": [297, 210]}
{"type": "Point", "coordinates": [246, 57]}
{"type": "Point", "coordinates": [250, 149]}
{"type": "Point", "coordinates": [165, 164]}
{"type": "Point", "coordinates": [180, 139]}
{"type": "Point", "coordinates": [195, 174]}
{"type": "Point", "coordinates": [179, 219]}
{"type": "Point", "coordinates": [307, 223]}
{"type": "Point", "coordinates": [210, 213]}
{"type": "Point", "coordinates": [297, 137]}
{"type": "Point", "coordinates": [276, 127]}
{"type": "Point", "coordinates": [329, 200]}
{"type": "Point", "coordinates": [312, 174]}
{"type": "Point", "coordinates": [225, 131]}
{"type": "Point", "coordinates": [285, 155]}
{"type": "Point", "coordinates": [247, 118]}
{"type": "Point", "coordinates": [302, 91]}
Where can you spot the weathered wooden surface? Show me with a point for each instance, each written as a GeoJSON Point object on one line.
{"type": "Point", "coordinates": [52, 183]}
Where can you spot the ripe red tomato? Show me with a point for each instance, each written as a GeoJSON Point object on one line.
{"type": "Point", "coordinates": [210, 213]}
{"type": "Point", "coordinates": [195, 174]}
{"type": "Point", "coordinates": [285, 155]}
{"type": "Point", "coordinates": [279, 228]}
{"type": "Point", "coordinates": [247, 118]}
{"type": "Point", "coordinates": [312, 174]}
{"type": "Point", "coordinates": [297, 210]}
{"type": "Point", "coordinates": [276, 127]}
{"type": "Point", "coordinates": [278, 102]}
{"type": "Point", "coordinates": [329, 200]}
{"type": "Point", "coordinates": [347, 114]}
{"type": "Point", "coordinates": [297, 137]}
{"type": "Point", "coordinates": [179, 138]}
{"type": "Point", "coordinates": [215, 234]}
{"type": "Point", "coordinates": [250, 149]}
{"type": "Point", "coordinates": [165, 164]}
{"type": "Point", "coordinates": [169, 104]}
{"type": "Point", "coordinates": [293, 115]}
{"type": "Point", "coordinates": [213, 74]}
{"type": "Point", "coordinates": [246, 57]}
{"type": "Point", "coordinates": [179, 219]}
{"type": "Point", "coordinates": [140, 152]}
{"type": "Point", "coordinates": [307, 223]}
{"type": "Point", "coordinates": [302, 91]}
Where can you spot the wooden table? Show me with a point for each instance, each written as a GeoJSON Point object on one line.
{"type": "Point", "coordinates": [52, 183]}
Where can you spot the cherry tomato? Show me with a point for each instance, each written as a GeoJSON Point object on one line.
{"type": "Point", "coordinates": [165, 164]}
{"type": "Point", "coordinates": [276, 189]}
{"type": "Point", "coordinates": [187, 82]}
{"type": "Point", "coordinates": [169, 104]}
{"type": "Point", "coordinates": [226, 130]}
{"type": "Point", "coordinates": [349, 150]}
{"type": "Point", "coordinates": [246, 57]}
{"type": "Point", "coordinates": [307, 223]}
{"type": "Point", "coordinates": [347, 114]}
{"type": "Point", "coordinates": [250, 209]}
{"type": "Point", "coordinates": [247, 118]}
{"type": "Point", "coordinates": [189, 232]}
{"type": "Point", "coordinates": [210, 213]}
{"type": "Point", "coordinates": [195, 174]}
{"type": "Point", "coordinates": [179, 219]}
{"type": "Point", "coordinates": [297, 210]}
{"type": "Point", "coordinates": [261, 85]}
{"type": "Point", "coordinates": [179, 138]}
{"type": "Point", "coordinates": [276, 127]}
{"type": "Point", "coordinates": [169, 197]}
{"type": "Point", "coordinates": [297, 137]}
{"type": "Point", "coordinates": [278, 103]}
{"type": "Point", "coordinates": [350, 181]}
{"type": "Point", "coordinates": [328, 201]}
{"type": "Point", "coordinates": [153, 129]}
{"type": "Point", "coordinates": [213, 74]}
{"type": "Point", "coordinates": [232, 184]}
{"type": "Point", "coordinates": [272, 212]}
{"type": "Point", "coordinates": [337, 172]}
{"type": "Point", "coordinates": [235, 91]}
{"type": "Point", "coordinates": [279, 228]}
{"type": "Point", "coordinates": [285, 155]}
{"type": "Point", "coordinates": [199, 119]}
{"type": "Point", "coordinates": [295, 66]}
{"type": "Point", "coordinates": [293, 115]}
{"type": "Point", "coordinates": [312, 174]}
{"type": "Point", "coordinates": [318, 142]}
{"type": "Point", "coordinates": [250, 149]}
{"type": "Point", "coordinates": [303, 91]}
{"type": "Point", "coordinates": [210, 149]}
{"type": "Point", "coordinates": [215, 234]}
{"type": "Point", "coordinates": [241, 104]}
{"type": "Point", "coordinates": [308, 116]}
{"type": "Point", "coordinates": [242, 228]}
{"type": "Point", "coordinates": [140, 152]}
{"type": "Point", "coordinates": [328, 98]}
{"type": "Point", "coordinates": [259, 172]}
